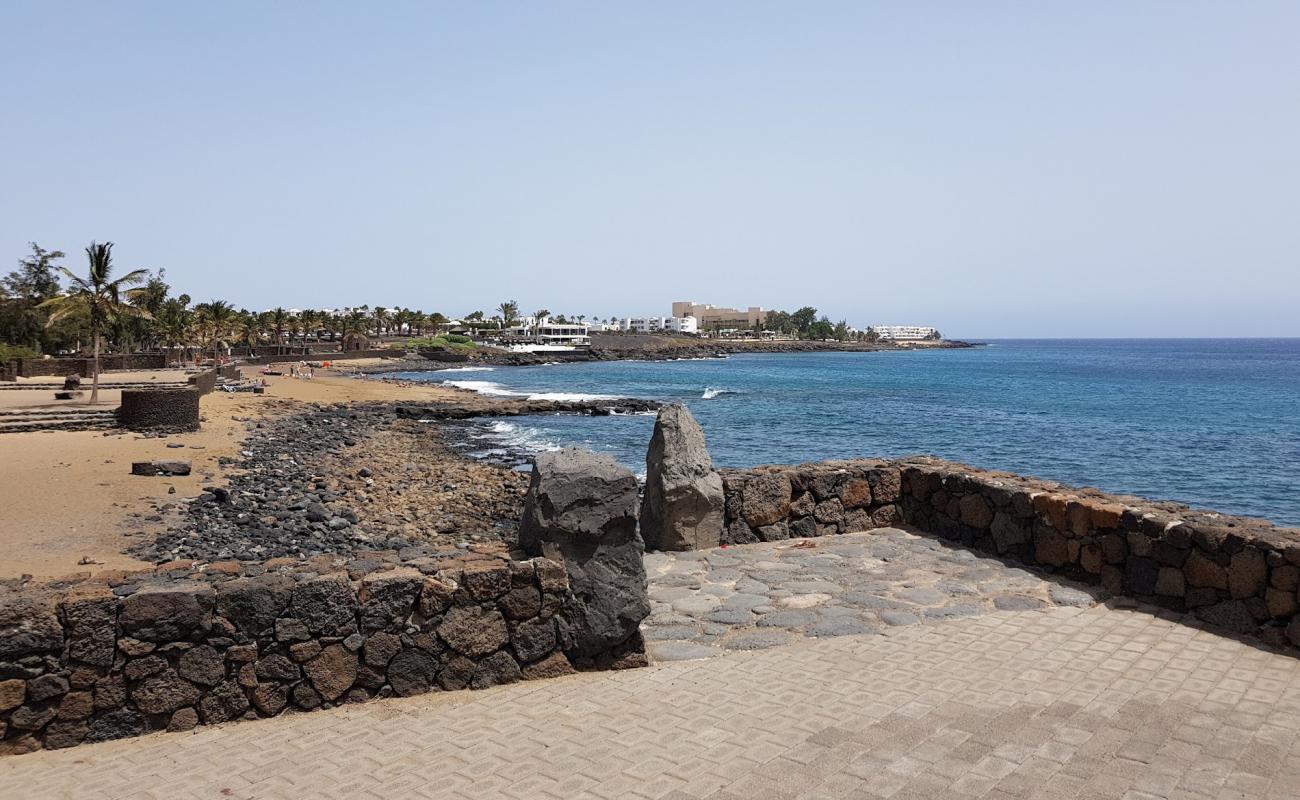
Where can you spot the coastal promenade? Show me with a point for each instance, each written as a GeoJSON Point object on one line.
{"type": "Point", "coordinates": [1052, 703]}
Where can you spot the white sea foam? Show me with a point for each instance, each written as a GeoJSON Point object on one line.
{"type": "Point", "coordinates": [483, 387]}
{"type": "Point", "coordinates": [497, 390]}
{"type": "Point", "coordinates": [521, 437]}
{"type": "Point", "coordinates": [465, 369]}
{"type": "Point", "coordinates": [570, 396]}
{"type": "Point", "coordinates": [710, 393]}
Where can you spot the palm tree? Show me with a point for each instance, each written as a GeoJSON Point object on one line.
{"type": "Point", "coordinates": [279, 320]}
{"type": "Point", "coordinates": [509, 312]}
{"type": "Point", "coordinates": [216, 320]}
{"type": "Point", "coordinates": [307, 323]}
{"type": "Point", "coordinates": [250, 330]}
{"type": "Point", "coordinates": [354, 326]}
{"type": "Point", "coordinates": [103, 300]}
{"type": "Point", "coordinates": [174, 322]}
{"type": "Point", "coordinates": [381, 317]}
{"type": "Point", "coordinates": [401, 321]}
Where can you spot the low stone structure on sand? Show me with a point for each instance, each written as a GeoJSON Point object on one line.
{"type": "Point", "coordinates": [683, 504]}
{"type": "Point", "coordinates": [165, 410]}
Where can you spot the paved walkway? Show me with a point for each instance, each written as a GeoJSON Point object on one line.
{"type": "Point", "coordinates": [706, 602]}
{"type": "Point", "coordinates": [1059, 702]}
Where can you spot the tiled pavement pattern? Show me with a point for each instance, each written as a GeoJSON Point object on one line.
{"type": "Point", "coordinates": [704, 603]}
{"type": "Point", "coordinates": [1060, 702]}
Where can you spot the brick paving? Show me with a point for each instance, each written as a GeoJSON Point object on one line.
{"type": "Point", "coordinates": [1053, 703]}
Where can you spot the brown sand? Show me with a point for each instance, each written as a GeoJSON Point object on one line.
{"type": "Point", "coordinates": [69, 495]}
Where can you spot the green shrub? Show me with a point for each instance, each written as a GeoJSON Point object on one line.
{"type": "Point", "coordinates": [9, 352]}
{"type": "Point", "coordinates": [447, 342]}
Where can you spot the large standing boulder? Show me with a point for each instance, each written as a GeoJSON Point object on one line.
{"type": "Point", "coordinates": [683, 503]}
{"type": "Point", "coordinates": [581, 511]}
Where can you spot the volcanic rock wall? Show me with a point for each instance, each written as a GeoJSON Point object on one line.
{"type": "Point", "coordinates": [125, 653]}
{"type": "Point", "coordinates": [160, 409]}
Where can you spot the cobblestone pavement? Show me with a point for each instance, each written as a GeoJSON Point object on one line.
{"type": "Point", "coordinates": [1055, 703]}
{"type": "Point", "coordinates": [704, 603]}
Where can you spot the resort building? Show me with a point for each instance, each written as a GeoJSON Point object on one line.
{"type": "Point", "coordinates": [905, 332]}
{"type": "Point", "coordinates": [688, 325]}
{"type": "Point", "coordinates": [709, 317]}
{"type": "Point", "coordinates": [543, 332]}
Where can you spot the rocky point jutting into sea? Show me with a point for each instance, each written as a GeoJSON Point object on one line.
{"type": "Point", "coordinates": [645, 347]}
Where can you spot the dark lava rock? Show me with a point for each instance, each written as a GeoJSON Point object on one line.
{"type": "Point", "coordinates": [412, 671]}
{"type": "Point", "coordinates": [581, 510]}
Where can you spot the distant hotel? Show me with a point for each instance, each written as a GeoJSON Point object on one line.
{"type": "Point", "coordinates": [905, 332]}
{"type": "Point", "coordinates": [533, 333]}
{"type": "Point", "coordinates": [659, 324]}
{"type": "Point", "coordinates": [712, 317]}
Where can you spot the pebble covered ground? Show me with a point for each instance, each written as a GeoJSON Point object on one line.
{"type": "Point", "coordinates": [335, 479]}
{"type": "Point", "coordinates": [748, 597]}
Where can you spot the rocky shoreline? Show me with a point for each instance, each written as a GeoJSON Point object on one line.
{"type": "Point", "coordinates": [635, 347]}
{"type": "Point", "coordinates": [350, 477]}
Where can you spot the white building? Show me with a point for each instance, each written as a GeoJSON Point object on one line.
{"type": "Point", "coordinates": [659, 324]}
{"type": "Point", "coordinates": [545, 333]}
{"type": "Point", "coordinates": [905, 332]}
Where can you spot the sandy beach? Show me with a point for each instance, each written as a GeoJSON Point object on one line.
{"type": "Point", "coordinates": [69, 497]}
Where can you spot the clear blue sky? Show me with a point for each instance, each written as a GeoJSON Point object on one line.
{"type": "Point", "coordinates": [996, 169]}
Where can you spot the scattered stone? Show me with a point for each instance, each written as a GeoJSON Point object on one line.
{"type": "Point", "coordinates": [1070, 596]}
{"type": "Point", "coordinates": [899, 618]}
{"type": "Point", "coordinates": [1018, 603]}
{"type": "Point", "coordinates": [160, 467]}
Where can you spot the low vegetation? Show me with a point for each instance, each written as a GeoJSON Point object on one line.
{"type": "Point", "coordinates": [449, 341]}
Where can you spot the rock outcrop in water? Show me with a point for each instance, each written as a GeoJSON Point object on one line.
{"type": "Point", "coordinates": [581, 510]}
{"type": "Point", "coordinates": [521, 408]}
{"type": "Point", "coordinates": [683, 503]}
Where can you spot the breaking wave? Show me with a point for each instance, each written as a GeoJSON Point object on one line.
{"type": "Point", "coordinates": [710, 393]}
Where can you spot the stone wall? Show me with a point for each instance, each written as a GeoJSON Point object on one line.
{"type": "Point", "coordinates": [324, 355]}
{"type": "Point", "coordinates": [771, 503]}
{"type": "Point", "coordinates": [90, 659]}
{"type": "Point", "coordinates": [85, 367]}
{"type": "Point", "coordinates": [1236, 573]}
{"type": "Point", "coordinates": [160, 409]}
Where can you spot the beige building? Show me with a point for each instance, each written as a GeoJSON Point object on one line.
{"type": "Point", "coordinates": [710, 317]}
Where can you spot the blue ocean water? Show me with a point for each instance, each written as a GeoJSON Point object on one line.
{"type": "Point", "coordinates": [1214, 423]}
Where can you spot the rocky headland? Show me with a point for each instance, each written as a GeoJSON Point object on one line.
{"type": "Point", "coordinates": [647, 347]}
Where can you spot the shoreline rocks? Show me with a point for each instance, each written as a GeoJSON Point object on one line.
{"type": "Point", "coordinates": [683, 504]}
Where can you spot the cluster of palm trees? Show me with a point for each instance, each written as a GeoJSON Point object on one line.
{"type": "Point", "coordinates": [136, 311]}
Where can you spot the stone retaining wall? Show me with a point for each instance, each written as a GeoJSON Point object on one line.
{"type": "Point", "coordinates": [120, 654]}
{"type": "Point", "coordinates": [160, 409]}
{"type": "Point", "coordinates": [771, 503]}
{"type": "Point", "coordinates": [85, 367]}
{"type": "Point", "coordinates": [322, 355]}
{"type": "Point", "coordinates": [1236, 573]}
{"type": "Point", "coordinates": [203, 382]}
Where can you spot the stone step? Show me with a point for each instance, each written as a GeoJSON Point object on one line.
{"type": "Point", "coordinates": [28, 427]}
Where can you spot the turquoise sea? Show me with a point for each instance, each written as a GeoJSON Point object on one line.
{"type": "Point", "coordinates": [1214, 423]}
